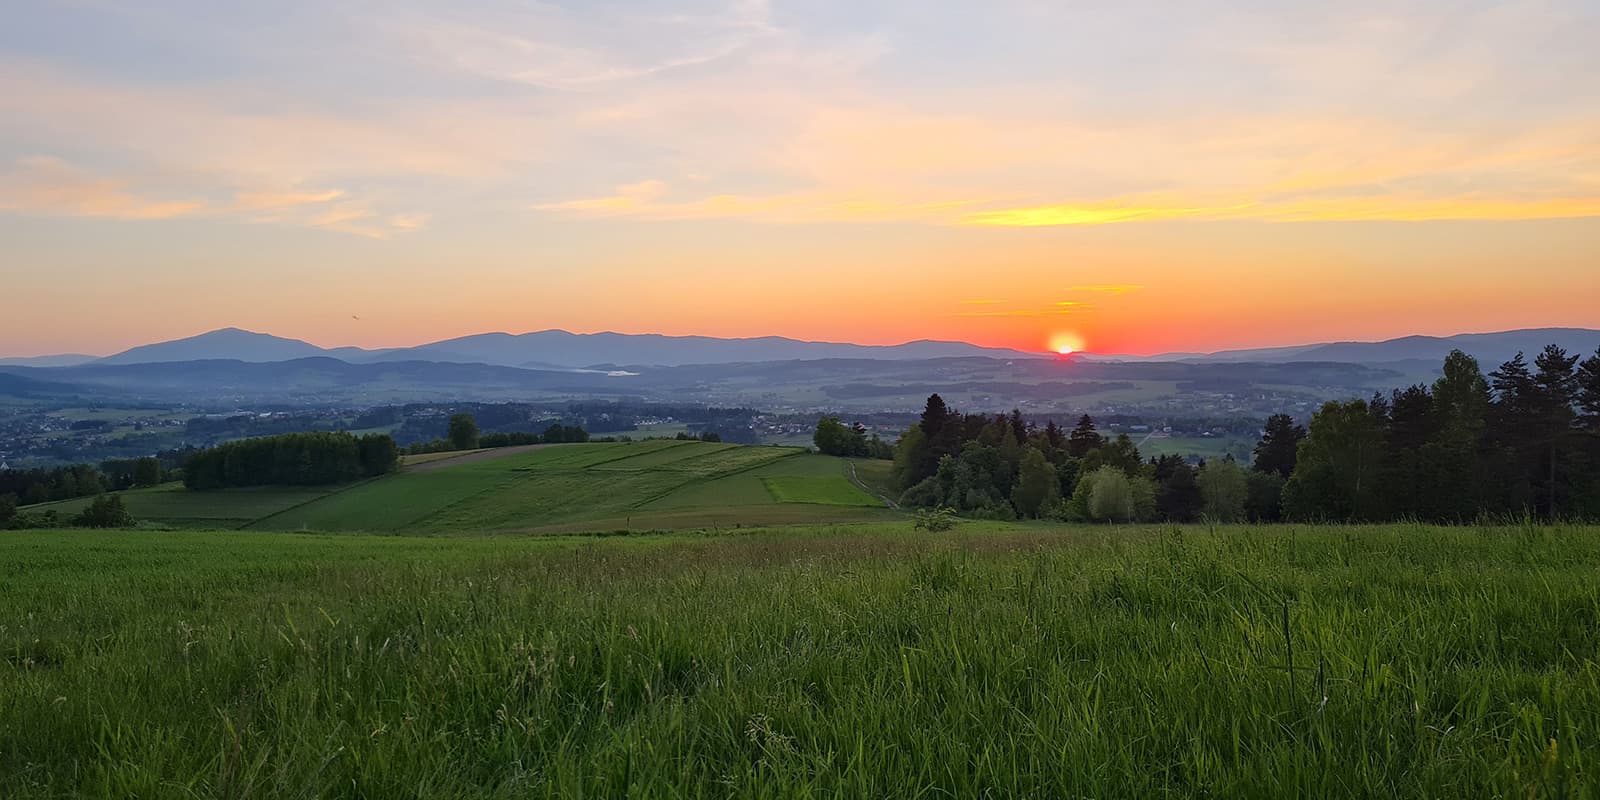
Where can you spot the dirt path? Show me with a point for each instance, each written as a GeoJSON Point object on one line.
{"type": "Point", "coordinates": [850, 472]}
{"type": "Point", "coordinates": [474, 456]}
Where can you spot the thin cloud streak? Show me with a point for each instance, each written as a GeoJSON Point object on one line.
{"type": "Point", "coordinates": [51, 186]}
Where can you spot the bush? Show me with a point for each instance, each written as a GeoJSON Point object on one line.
{"type": "Point", "coordinates": [464, 432]}
{"type": "Point", "coordinates": [934, 520]}
{"type": "Point", "coordinates": [1110, 495]}
{"type": "Point", "coordinates": [927, 494]}
{"type": "Point", "coordinates": [106, 511]}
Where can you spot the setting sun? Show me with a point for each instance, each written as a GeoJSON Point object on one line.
{"type": "Point", "coordinates": [1065, 344]}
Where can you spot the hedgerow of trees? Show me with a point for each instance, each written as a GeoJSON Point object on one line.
{"type": "Point", "coordinates": [292, 459]}
{"type": "Point", "coordinates": [464, 436]}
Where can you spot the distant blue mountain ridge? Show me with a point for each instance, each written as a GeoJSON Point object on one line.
{"type": "Point", "coordinates": [562, 350]}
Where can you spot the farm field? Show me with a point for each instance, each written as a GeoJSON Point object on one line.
{"type": "Point", "coordinates": [600, 486]}
{"type": "Point", "coordinates": [429, 458]}
{"type": "Point", "coordinates": [1205, 447]}
{"type": "Point", "coordinates": [861, 660]}
{"type": "Point", "coordinates": [172, 505]}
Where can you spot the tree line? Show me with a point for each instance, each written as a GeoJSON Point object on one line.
{"type": "Point", "coordinates": [292, 459]}
{"type": "Point", "coordinates": [1523, 440]}
{"type": "Point", "coordinates": [463, 434]}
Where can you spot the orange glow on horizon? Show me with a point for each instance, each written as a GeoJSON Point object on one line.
{"type": "Point", "coordinates": [1065, 343]}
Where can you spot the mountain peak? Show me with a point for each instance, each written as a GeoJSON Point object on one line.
{"type": "Point", "coordinates": [222, 343]}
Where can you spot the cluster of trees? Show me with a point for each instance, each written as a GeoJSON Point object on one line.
{"type": "Point", "coordinates": [835, 438]}
{"type": "Point", "coordinates": [423, 423]}
{"type": "Point", "coordinates": [1005, 467]}
{"type": "Point", "coordinates": [106, 511]}
{"type": "Point", "coordinates": [135, 473]}
{"type": "Point", "coordinates": [1523, 440]}
{"type": "Point", "coordinates": [292, 459]}
{"type": "Point", "coordinates": [703, 436]}
{"type": "Point", "coordinates": [30, 486]}
{"type": "Point", "coordinates": [1001, 466]}
{"type": "Point", "coordinates": [465, 435]}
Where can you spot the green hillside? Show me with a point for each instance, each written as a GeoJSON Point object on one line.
{"type": "Point", "coordinates": [601, 486]}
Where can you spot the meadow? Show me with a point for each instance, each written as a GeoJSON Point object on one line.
{"type": "Point", "coordinates": [599, 486]}
{"type": "Point", "coordinates": [861, 660]}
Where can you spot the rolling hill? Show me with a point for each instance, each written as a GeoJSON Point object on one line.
{"type": "Point", "coordinates": [583, 487]}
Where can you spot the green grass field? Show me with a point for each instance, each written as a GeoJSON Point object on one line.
{"type": "Point", "coordinates": [600, 486]}
{"type": "Point", "coordinates": [172, 505]}
{"type": "Point", "coordinates": [844, 661]}
{"type": "Point", "coordinates": [1202, 446]}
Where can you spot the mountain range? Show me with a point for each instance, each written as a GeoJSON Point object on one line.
{"type": "Point", "coordinates": [1491, 349]}
{"type": "Point", "coordinates": [563, 351]}
{"type": "Point", "coordinates": [553, 349]}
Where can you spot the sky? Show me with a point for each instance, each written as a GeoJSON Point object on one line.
{"type": "Point", "coordinates": [1134, 177]}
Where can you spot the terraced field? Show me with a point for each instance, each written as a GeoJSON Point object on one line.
{"type": "Point", "coordinates": [600, 486]}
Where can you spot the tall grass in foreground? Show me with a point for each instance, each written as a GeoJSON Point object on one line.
{"type": "Point", "coordinates": [859, 662]}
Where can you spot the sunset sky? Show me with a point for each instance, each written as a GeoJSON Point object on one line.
{"type": "Point", "coordinates": [1135, 176]}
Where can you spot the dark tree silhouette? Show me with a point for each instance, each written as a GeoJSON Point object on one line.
{"type": "Point", "coordinates": [1279, 442]}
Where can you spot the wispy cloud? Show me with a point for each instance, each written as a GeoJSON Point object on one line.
{"type": "Point", "coordinates": [575, 49]}
{"type": "Point", "coordinates": [1107, 288]}
{"type": "Point", "coordinates": [728, 109]}
{"type": "Point", "coordinates": [51, 186]}
{"type": "Point", "coordinates": [1372, 208]}
{"type": "Point", "coordinates": [1094, 214]}
{"type": "Point", "coordinates": [260, 200]}
{"type": "Point", "coordinates": [651, 200]}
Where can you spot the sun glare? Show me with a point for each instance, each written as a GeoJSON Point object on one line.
{"type": "Point", "coordinates": [1065, 344]}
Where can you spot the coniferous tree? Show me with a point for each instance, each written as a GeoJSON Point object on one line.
{"type": "Point", "coordinates": [941, 430]}
{"type": "Point", "coordinates": [1556, 392]}
{"type": "Point", "coordinates": [1084, 438]}
{"type": "Point", "coordinates": [1019, 428]}
{"type": "Point", "coordinates": [1279, 442]}
{"type": "Point", "coordinates": [1588, 391]}
{"type": "Point", "coordinates": [1408, 477]}
{"type": "Point", "coordinates": [1178, 496]}
{"type": "Point", "coordinates": [1054, 437]}
{"type": "Point", "coordinates": [1511, 435]}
